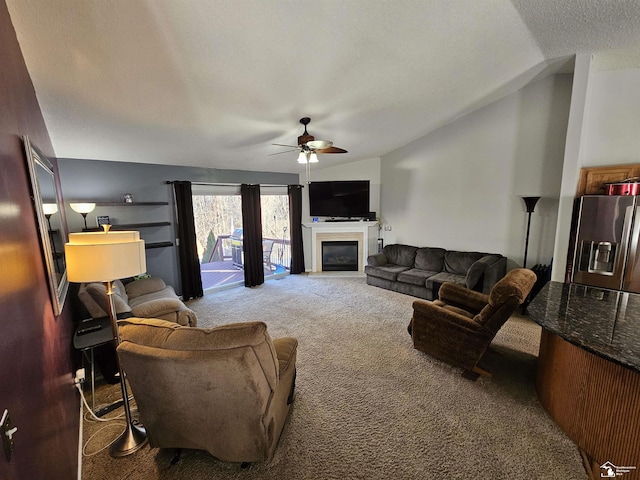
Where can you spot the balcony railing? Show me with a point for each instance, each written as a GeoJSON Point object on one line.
{"type": "Point", "coordinates": [227, 247]}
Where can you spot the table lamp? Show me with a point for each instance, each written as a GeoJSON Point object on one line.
{"type": "Point", "coordinates": [105, 257]}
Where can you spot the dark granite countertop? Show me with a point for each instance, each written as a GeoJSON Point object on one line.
{"type": "Point", "coordinates": [604, 322]}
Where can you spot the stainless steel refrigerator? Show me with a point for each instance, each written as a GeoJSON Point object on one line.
{"type": "Point", "coordinates": [606, 251]}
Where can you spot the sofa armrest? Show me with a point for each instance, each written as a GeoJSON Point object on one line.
{"type": "Point", "coordinates": [480, 268]}
{"type": "Point", "coordinates": [286, 348]}
{"type": "Point", "coordinates": [144, 286]}
{"type": "Point", "coordinates": [94, 298]}
{"type": "Point", "coordinates": [187, 317]}
{"type": "Point", "coordinates": [157, 307]}
{"type": "Point", "coordinates": [459, 296]}
{"type": "Point", "coordinates": [494, 273]}
{"type": "Point", "coordinates": [377, 260]}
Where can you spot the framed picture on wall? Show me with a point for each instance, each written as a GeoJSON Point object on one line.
{"type": "Point", "coordinates": [103, 220]}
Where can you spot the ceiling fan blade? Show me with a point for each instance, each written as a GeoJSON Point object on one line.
{"type": "Point", "coordinates": [286, 151]}
{"type": "Point", "coordinates": [281, 145]}
{"type": "Point", "coordinates": [331, 150]}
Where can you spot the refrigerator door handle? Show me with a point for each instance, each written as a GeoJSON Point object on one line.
{"type": "Point", "coordinates": [632, 268]}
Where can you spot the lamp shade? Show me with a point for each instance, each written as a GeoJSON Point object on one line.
{"type": "Point", "coordinates": [103, 257]}
{"type": "Point", "coordinates": [82, 207]}
{"type": "Point", "coordinates": [530, 203]}
{"type": "Point", "coordinates": [302, 158]}
{"type": "Point", "coordinates": [313, 158]}
{"type": "Point", "coordinates": [49, 208]}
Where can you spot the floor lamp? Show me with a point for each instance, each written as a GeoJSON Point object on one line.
{"type": "Point", "coordinates": [83, 209]}
{"type": "Point", "coordinates": [105, 257]}
{"type": "Point", "coordinates": [530, 203]}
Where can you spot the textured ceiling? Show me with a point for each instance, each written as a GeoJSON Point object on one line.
{"type": "Point", "coordinates": [214, 83]}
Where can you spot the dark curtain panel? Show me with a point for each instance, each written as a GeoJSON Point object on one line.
{"type": "Point", "coordinates": [187, 249]}
{"type": "Point", "coordinates": [252, 235]}
{"type": "Point", "coordinates": [295, 225]}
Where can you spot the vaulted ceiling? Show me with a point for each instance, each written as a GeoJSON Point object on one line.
{"type": "Point", "coordinates": [214, 83]}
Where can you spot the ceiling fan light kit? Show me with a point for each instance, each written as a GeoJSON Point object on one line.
{"type": "Point", "coordinates": [307, 157]}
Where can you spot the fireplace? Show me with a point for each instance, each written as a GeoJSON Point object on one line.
{"type": "Point", "coordinates": [340, 256]}
{"type": "Point", "coordinates": [360, 232]}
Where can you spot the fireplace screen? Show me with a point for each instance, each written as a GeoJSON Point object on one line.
{"type": "Point", "coordinates": [340, 256]}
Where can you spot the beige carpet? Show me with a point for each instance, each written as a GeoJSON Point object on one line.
{"type": "Point", "coordinates": [369, 406]}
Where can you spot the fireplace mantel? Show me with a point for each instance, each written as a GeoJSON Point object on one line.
{"type": "Point", "coordinates": [358, 231]}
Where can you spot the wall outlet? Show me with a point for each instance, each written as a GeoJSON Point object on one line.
{"type": "Point", "coordinates": [387, 228]}
{"type": "Point", "coordinates": [80, 376]}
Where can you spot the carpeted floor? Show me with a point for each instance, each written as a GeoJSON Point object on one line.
{"type": "Point", "coordinates": [369, 406]}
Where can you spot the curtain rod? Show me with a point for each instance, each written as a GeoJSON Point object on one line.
{"type": "Point", "coordinates": [170, 182]}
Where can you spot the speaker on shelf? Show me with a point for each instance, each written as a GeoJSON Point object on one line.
{"type": "Point", "coordinates": [372, 216]}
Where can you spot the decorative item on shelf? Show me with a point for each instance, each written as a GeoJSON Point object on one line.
{"type": "Point", "coordinates": [128, 198]}
{"type": "Point", "coordinates": [103, 220]}
{"type": "Point", "coordinates": [83, 209]}
{"type": "Point", "coordinates": [49, 209]}
{"type": "Point", "coordinates": [105, 257]}
{"type": "Point", "coordinates": [530, 204]}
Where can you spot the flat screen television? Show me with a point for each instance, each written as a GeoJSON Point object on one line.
{"type": "Point", "coordinates": [344, 198]}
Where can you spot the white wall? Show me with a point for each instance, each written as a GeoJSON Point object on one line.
{"type": "Point", "coordinates": [459, 187]}
{"type": "Point", "coordinates": [605, 133]}
{"type": "Point", "coordinates": [613, 125]}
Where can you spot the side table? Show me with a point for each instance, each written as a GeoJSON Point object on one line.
{"type": "Point", "coordinates": [92, 333]}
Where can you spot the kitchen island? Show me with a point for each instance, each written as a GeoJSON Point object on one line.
{"type": "Point", "coordinates": [588, 374]}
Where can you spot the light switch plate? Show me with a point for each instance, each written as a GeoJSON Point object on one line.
{"type": "Point", "coordinates": [7, 442]}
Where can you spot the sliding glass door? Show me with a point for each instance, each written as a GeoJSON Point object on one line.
{"type": "Point", "coordinates": [276, 245]}
{"type": "Point", "coordinates": [217, 215]}
{"type": "Point", "coordinates": [217, 211]}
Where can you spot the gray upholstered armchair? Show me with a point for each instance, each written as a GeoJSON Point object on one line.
{"type": "Point", "coordinates": [146, 298]}
{"type": "Point", "coordinates": [226, 390]}
{"type": "Point", "coordinates": [459, 326]}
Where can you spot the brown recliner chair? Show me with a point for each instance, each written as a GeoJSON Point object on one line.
{"type": "Point", "coordinates": [459, 326]}
{"type": "Point", "coordinates": [226, 390]}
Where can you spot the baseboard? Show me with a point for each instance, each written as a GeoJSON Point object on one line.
{"type": "Point", "coordinates": [337, 274]}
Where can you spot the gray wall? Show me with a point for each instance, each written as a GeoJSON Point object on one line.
{"type": "Point", "coordinates": [103, 181]}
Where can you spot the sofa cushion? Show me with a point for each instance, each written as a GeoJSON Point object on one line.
{"type": "Point", "coordinates": [166, 292]}
{"type": "Point", "coordinates": [377, 260]}
{"type": "Point", "coordinates": [144, 286]}
{"type": "Point", "coordinates": [431, 259]}
{"type": "Point", "coordinates": [445, 277]}
{"type": "Point", "coordinates": [388, 272]}
{"type": "Point", "coordinates": [416, 276]}
{"type": "Point", "coordinates": [403, 255]}
{"type": "Point", "coordinates": [459, 262]}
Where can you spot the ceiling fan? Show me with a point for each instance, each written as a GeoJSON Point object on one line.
{"type": "Point", "coordinates": [309, 147]}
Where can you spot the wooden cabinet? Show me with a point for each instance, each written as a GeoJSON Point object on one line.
{"type": "Point", "coordinates": [592, 179]}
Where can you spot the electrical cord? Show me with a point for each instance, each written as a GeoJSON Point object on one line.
{"type": "Point", "coordinates": [90, 412]}
{"type": "Point", "coordinates": [91, 417]}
